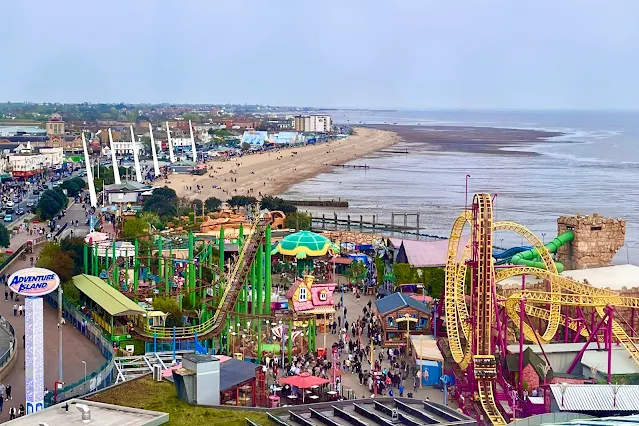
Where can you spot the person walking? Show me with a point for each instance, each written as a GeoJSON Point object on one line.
{"type": "Point", "coordinates": [8, 390]}
{"type": "Point", "coordinates": [15, 309]}
{"type": "Point", "coordinates": [12, 413]}
{"type": "Point", "coordinates": [2, 390]}
{"type": "Point", "coordinates": [20, 310]}
{"type": "Point", "coordinates": [6, 295]}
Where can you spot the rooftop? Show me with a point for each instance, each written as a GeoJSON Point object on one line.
{"type": "Point", "coordinates": [127, 186]}
{"type": "Point", "coordinates": [600, 398]}
{"type": "Point", "coordinates": [101, 415]}
{"type": "Point", "coordinates": [420, 254]}
{"type": "Point", "coordinates": [397, 301]}
{"type": "Point", "coordinates": [110, 299]}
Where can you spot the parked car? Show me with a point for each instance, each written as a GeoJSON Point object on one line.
{"type": "Point", "coordinates": [9, 203]}
{"type": "Point", "coordinates": [8, 218]}
{"type": "Point", "coordinates": [20, 211]}
{"type": "Point", "coordinates": [31, 203]}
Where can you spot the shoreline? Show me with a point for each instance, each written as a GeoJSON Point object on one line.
{"type": "Point", "coordinates": [272, 173]}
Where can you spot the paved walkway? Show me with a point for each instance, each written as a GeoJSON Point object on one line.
{"type": "Point", "coordinates": [76, 348]}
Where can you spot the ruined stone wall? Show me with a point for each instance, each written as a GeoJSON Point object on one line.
{"type": "Point", "coordinates": [597, 240]}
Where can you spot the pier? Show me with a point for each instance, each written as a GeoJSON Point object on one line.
{"type": "Point", "coordinates": [394, 151]}
{"type": "Point", "coordinates": [319, 203]}
{"type": "Point", "coordinates": [401, 223]}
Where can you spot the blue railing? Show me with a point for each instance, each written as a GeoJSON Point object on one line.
{"type": "Point", "coordinates": [7, 328]}
{"type": "Point", "coordinates": [188, 345]}
{"type": "Point", "coordinates": [104, 375]}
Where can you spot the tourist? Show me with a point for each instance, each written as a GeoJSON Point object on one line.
{"type": "Point", "coordinates": [12, 413]}
{"type": "Point", "coordinates": [6, 295]}
{"type": "Point", "coordinates": [2, 390]}
{"type": "Point", "coordinates": [20, 310]}
{"type": "Point", "coordinates": [8, 391]}
{"type": "Point", "coordinates": [15, 309]}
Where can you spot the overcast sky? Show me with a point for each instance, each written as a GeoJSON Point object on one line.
{"type": "Point", "coordinates": [510, 54]}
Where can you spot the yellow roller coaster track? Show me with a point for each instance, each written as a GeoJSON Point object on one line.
{"type": "Point", "coordinates": [562, 292]}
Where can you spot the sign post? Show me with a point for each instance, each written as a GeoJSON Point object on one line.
{"type": "Point", "coordinates": [33, 283]}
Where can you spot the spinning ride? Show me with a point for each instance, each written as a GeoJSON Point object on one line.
{"type": "Point", "coordinates": [474, 334]}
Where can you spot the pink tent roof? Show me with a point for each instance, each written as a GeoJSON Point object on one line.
{"type": "Point", "coordinates": [303, 381]}
{"type": "Point", "coordinates": [423, 254]}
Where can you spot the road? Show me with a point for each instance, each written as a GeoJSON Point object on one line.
{"type": "Point", "coordinates": [76, 347]}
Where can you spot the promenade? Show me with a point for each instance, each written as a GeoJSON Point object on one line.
{"type": "Point", "coordinates": [76, 348]}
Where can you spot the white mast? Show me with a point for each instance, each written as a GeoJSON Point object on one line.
{"type": "Point", "coordinates": [136, 160]}
{"type": "Point", "coordinates": [87, 162]}
{"type": "Point", "coordinates": [168, 135]}
{"type": "Point", "coordinates": [114, 161]}
{"type": "Point", "coordinates": [156, 166]}
{"type": "Point", "coordinates": [193, 143]}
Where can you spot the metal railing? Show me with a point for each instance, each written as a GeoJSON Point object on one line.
{"type": "Point", "coordinates": [7, 328]}
{"type": "Point", "coordinates": [98, 379]}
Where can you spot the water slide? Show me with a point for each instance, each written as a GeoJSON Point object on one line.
{"type": "Point", "coordinates": [506, 255]}
{"type": "Point", "coordinates": [531, 257]}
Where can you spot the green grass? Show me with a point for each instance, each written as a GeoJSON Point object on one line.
{"type": "Point", "coordinates": [146, 394]}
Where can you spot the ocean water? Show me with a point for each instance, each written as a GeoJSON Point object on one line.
{"type": "Point", "coordinates": [597, 173]}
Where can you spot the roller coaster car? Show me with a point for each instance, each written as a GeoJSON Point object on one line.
{"type": "Point", "coordinates": [485, 367]}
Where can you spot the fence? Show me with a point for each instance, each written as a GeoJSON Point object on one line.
{"type": "Point", "coordinates": [100, 378]}
{"type": "Point", "coordinates": [7, 328]}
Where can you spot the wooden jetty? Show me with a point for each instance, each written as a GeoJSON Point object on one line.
{"type": "Point", "coordinates": [359, 224]}
{"type": "Point", "coordinates": [319, 203]}
{"type": "Point", "coordinates": [394, 151]}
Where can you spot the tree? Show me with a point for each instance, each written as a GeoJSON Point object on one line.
{"type": "Point", "coordinates": [166, 192]}
{"type": "Point", "coordinates": [5, 240]}
{"type": "Point", "coordinates": [275, 203]}
{"type": "Point", "coordinates": [52, 257]}
{"type": "Point", "coordinates": [245, 146]}
{"type": "Point", "coordinates": [74, 247]}
{"type": "Point", "coordinates": [134, 228]}
{"type": "Point", "coordinates": [49, 206]}
{"type": "Point", "coordinates": [212, 204]}
{"type": "Point", "coordinates": [299, 221]}
{"type": "Point", "coordinates": [72, 187]}
{"type": "Point", "coordinates": [241, 201]}
{"type": "Point", "coordinates": [168, 306]}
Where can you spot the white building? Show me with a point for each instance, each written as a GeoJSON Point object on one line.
{"type": "Point", "coordinates": [177, 142]}
{"type": "Point", "coordinates": [126, 147]}
{"type": "Point", "coordinates": [28, 165]}
{"type": "Point", "coordinates": [313, 123]}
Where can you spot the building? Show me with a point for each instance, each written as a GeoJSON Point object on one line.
{"type": "Point", "coordinates": [23, 134]}
{"type": "Point", "coordinates": [128, 192]}
{"type": "Point", "coordinates": [26, 165]}
{"type": "Point", "coordinates": [308, 297]}
{"type": "Point", "coordinates": [254, 138]}
{"type": "Point", "coordinates": [81, 412]}
{"type": "Point", "coordinates": [55, 125]}
{"type": "Point", "coordinates": [396, 306]}
{"type": "Point", "coordinates": [313, 123]}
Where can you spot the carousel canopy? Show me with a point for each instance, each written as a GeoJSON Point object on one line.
{"type": "Point", "coordinates": [304, 244]}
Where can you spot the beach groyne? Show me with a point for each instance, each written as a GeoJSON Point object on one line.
{"type": "Point", "coordinates": [319, 203]}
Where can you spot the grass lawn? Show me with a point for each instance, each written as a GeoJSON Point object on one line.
{"type": "Point", "coordinates": [161, 396]}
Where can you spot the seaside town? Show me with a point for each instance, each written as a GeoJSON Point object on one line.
{"type": "Point", "coordinates": [157, 263]}
{"type": "Point", "coordinates": [319, 214]}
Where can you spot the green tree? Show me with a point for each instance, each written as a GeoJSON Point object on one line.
{"type": "Point", "coordinates": [74, 247]}
{"type": "Point", "coordinates": [169, 306]}
{"type": "Point", "coordinates": [241, 201]}
{"type": "Point", "coordinates": [5, 240]}
{"type": "Point", "coordinates": [212, 204]}
{"type": "Point", "coordinates": [299, 221]}
{"type": "Point", "coordinates": [134, 227]}
{"type": "Point", "coordinates": [48, 206]}
{"type": "Point", "coordinates": [166, 192]}
{"type": "Point", "coordinates": [275, 203]}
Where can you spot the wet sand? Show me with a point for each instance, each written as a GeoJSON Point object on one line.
{"type": "Point", "coordinates": [467, 139]}
{"type": "Point", "coordinates": [271, 173]}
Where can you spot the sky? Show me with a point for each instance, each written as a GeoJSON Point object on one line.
{"type": "Point", "coordinates": [408, 54]}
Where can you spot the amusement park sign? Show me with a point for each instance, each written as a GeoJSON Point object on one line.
{"type": "Point", "coordinates": [34, 282]}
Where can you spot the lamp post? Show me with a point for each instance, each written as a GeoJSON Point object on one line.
{"type": "Point", "coordinates": [466, 196]}
{"type": "Point", "coordinates": [282, 342]}
{"type": "Point", "coordinates": [85, 377]}
{"type": "Point", "coordinates": [501, 243]}
{"type": "Point", "coordinates": [233, 334]}
{"type": "Point", "coordinates": [304, 325]}
{"type": "Point", "coordinates": [543, 236]}
{"type": "Point", "coordinates": [615, 390]}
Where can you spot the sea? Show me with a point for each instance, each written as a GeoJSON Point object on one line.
{"type": "Point", "coordinates": [592, 168]}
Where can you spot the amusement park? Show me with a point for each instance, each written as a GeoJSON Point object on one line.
{"type": "Point", "coordinates": [233, 308]}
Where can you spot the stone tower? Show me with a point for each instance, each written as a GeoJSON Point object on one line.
{"type": "Point", "coordinates": [596, 242]}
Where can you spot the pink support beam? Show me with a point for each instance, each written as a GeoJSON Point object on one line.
{"type": "Point", "coordinates": [583, 349]}
{"type": "Point", "coordinates": [610, 310]}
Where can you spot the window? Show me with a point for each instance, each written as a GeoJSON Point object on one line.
{"type": "Point", "coordinates": [302, 294]}
{"type": "Point", "coordinates": [323, 295]}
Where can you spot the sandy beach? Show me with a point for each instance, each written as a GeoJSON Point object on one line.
{"type": "Point", "coordinates": [271, 173]}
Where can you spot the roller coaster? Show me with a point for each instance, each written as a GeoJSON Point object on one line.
{"type": "Point", "coordinates": [477, 326]}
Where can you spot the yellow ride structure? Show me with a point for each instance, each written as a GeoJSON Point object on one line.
{"type": "Point", "coordinates": [473, 328]}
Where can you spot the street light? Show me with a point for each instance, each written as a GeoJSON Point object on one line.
{"type": "Point", "coordinates": [85, 376]}
{"type": "Point", "coordinates": [543, 235]}
{"type": "Point", "coordinates": [233, 342]}
{"type": "Point", "coordinates": [466, 197]}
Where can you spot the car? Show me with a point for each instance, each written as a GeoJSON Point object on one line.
{"type": "Point", "coordinates": [9, 203]}
{"type": "Point", "coordinates": [36, 191]}
{"type": "Point", "coordinates": [8, 218]}
{"type": "Point", "coordinates": [31, 203]}
{"type": "Point", "coordinates": [20, 211]}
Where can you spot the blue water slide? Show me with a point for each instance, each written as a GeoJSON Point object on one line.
{"type": "Point", "coordinates": [507, 254]}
